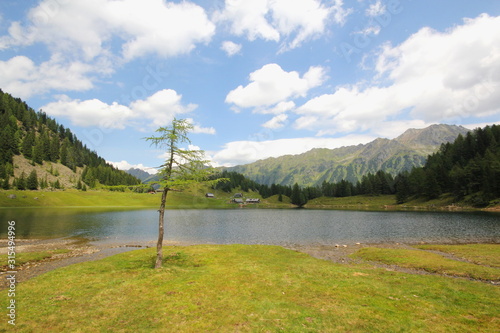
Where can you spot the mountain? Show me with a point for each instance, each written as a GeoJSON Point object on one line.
{"type": "Point", "coordinates": [37, 153]}
{"type": "Point", "coordinates": [351, 163]}
{"type": "Point", "coordinates": [144, 176]}
{"type": "Point", "coordinates": [138, 173]}
{"type": "Point", "coordinates": [468, 169]}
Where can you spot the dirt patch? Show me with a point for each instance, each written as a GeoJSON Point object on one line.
{"type": "Point", "coordinates": [341, 254]}
{"type": "Point", "coordinates": [79, 250]}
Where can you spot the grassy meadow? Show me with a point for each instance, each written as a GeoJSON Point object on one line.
{"type": "Point", "coordinates": [193, 198]}
{"type": "Point", "coordinates": [249, 288]}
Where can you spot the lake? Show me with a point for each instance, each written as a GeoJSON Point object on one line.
{"type": "Point", "coordinates": [253, 226]}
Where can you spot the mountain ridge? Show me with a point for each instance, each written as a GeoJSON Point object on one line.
{"type": "Point", "coordinates": [408, 150]}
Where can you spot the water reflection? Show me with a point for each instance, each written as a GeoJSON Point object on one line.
{"type": "Point", "coordinates": [253, 226]}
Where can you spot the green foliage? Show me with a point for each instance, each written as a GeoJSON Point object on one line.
{"type": "Point", "coordinates": [353, 162]}
{"type": "Point", "coordinates": [470, 166]}
{"type": "Point", "coordinates": [32, 181]}
{"type": "Point", "coordinates": [5, 184]}
{"type": "Point", "coordinates": [182, 167]}
{"type": "Point", "coordinates": [21, 182]}
{"type": "Point", "coordinates": [40, 138]}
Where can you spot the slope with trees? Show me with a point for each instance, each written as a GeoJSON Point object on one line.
{"type": "Point", "coordinates": [468, 168]}
{"type": "Point", "coordinates": [351, 163]}
{"type": "Point", "coordinates": [39, 139]}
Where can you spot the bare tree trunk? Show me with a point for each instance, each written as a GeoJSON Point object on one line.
{"type": "Point", "coordinates": [161, 223]}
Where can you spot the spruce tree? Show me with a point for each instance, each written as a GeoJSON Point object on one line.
{"type": "Point", "coordinates": [32, 181]}
{"type": "Point", "coordinates": [38, 151]}
{"type": "Point", "coordinates": [5, 184]}
{"type": "Point", "coordinates": [21, 182]}
{"type": "Point", "coordinates": [28, 144]}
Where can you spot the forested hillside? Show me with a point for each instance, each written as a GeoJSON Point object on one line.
{"type": "Point", "coordinates": [351, 163]}
{"type": "Point", "coordinates": [27, 135]}
{"type": "Point", "coordinates": [468, 167]}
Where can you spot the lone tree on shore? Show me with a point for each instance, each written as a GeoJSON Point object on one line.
{"type": "Point", "coordinates": [182, 167]}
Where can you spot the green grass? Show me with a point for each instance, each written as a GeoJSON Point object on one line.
{"type": "Point", "coordinates": [24, 257]}
{"type": "Point", "coordinates": [73, 198]}
{"type": "Point", "coordinates": [358, 202]}
{"type": "Point", "coordinates": [244, 288]}
{"type": "Point", "coordinates": [482, 254]}
{"type": "Point", "coordinates": [192, 198]}
{"type": "Point", "coordinates": [427, 261]}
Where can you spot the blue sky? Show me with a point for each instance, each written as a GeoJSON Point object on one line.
{"type": "Point", "coordinates": [257, 79]}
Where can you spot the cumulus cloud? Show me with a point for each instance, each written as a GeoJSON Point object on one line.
{"type": "Point", "coordinates": [279, 108]}
{"type": "Point", "coordinates": [197, 129]}
{"type": "Point", "coordinates": [275, 20]}
{"type": "Point", "coordinates": [243, 152]}
{"type": "Point", "coordinates": [230, 48]}
{"type": "Point", "coordinates": [124, 165]}
{"type": "Point", "coordinates": [271, 85]}
{"type": "Point", "coordinates": [161, 107]}
{"type": "Point", "coordinates": [433, 76]}
{"type": "Point", "coordinates": [89, 39]}
{"type": "Point", "coordinates": [90, 28]}
{"type": "Point", "coordinates": [22, 77]}
{"type": "Point", "coordinates": [277, 122]}
{"type": "Point", "coordinates": [157, 110]}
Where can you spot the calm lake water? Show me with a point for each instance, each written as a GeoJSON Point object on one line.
{"type": "Point", "coordinates": [254, 226]}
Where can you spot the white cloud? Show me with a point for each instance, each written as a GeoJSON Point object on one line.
{"type": "Point", "coordinates": [91, 113]}
{"type": "Point", "coordinates": [274, 20]}
{"type": "Point", "coordinates": [480, 125]}
{"type": "Point", "coordinates": [243, 152]}
{"type": "Point", "coordinates": [156, 110]}
{"type": "Point", "coordinates": [432, 76]}
{"type": "Point", "coordinates": [164, 28]}
{"type": "Point", "coordinates": [271, 85]}
{"type": "Point", "coordinates": [161, 107]}
{"type": "Point", "coordinates": [88, 39]}
{"type": "Point", "coordinates": [277, 122]}
{"type": "Point", "coordinates": [230, 48]}
{"type": "Point", "coordinates": [90, 27]}
{"type": "Point", "coordinates": [22, 77]}
{"type": "Point", "coordinates": [279, 108]}
{"type": "Point", "coordinates": [376, 9]}
{"type": "Point", "coordinates": [197, 129]}
{"type": "Point", "coordinates": [370, 30]}
{"type": "Point", "coordinates": [124, 165]}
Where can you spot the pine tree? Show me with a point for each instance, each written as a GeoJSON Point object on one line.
{"type": "Point", "coordinates": [298, 198]}
{"type": "Point", "coordinates": [5, 184]}
{"type": "Point", "coordinates": [3, 171]}
{"type": "Point", "coordinates": [181, 167]}
{"type": "Point", "coordinates": [21, 182]}
{"type": "Point", "coordinates": [38, 151]}
{"type": "Point", "coordinates": [32, 181]}
{"type": "Point", "coordinates": [54, 149]}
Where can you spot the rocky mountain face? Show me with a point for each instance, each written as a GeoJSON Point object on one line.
{"type": "Point", "coordinates": [144, 176]}
{"type": "Point", "coordinates": [350, 163]}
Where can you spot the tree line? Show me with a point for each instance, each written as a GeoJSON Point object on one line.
{"type": "Point", "coordinates": [371, 184]}
{"type": "Point", "coordinates": [468, 168]}
{"type": "Point", "coordinates": [39, 138]}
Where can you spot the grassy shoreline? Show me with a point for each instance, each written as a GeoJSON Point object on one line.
{"type": "Point", "coordinates": [195, 199]}
{"type": "Point", "coordinates": [264, 288]}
